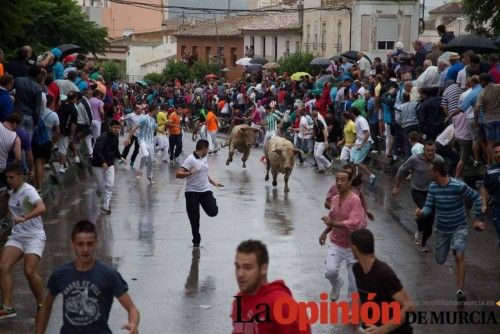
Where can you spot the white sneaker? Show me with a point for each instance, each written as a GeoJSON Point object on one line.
{"type": "Point", "coordinates": [335, 293]}
{"type": "Point", "coordinates": [62, 170]}
{"type": "Point", "coordinates": [77, 159]}
{"type": "Point", "coordinates": [417, 238]}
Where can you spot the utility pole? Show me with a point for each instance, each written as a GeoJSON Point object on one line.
{"type": "Point", "coordinates": [219, 58]}
{"type": "Point", "coordinates": [228, 7]}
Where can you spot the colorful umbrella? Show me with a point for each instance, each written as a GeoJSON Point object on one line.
{"type": "Point", "coordinates": [211, 77]}
{"type": "Point", "coordinates": [298, 75]}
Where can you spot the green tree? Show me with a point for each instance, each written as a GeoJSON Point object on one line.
{"type": "Point", "coordinates": [46, 24]}
{"type": "Point", "coordinates": [113, 71]}
{"type": "Point", "coordinates": [176, 70]}
{"type": "Point", "coordinates": [154, 78]}
{"type": "Point", "coordinates": [199, 70]}
{"type": "Point", "coordinates": [483, 17]}
{"type": "Point", "coordinates": [296, 62]}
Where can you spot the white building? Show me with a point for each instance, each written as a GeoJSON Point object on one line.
{"type": "Point", "coordinates": [371, 26]}
{"type": "Point", "coordinates": [273, 36]}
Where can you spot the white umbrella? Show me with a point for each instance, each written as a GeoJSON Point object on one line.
{"type": "Point", "coordinates": [244, 61]}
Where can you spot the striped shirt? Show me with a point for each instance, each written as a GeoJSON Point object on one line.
{"type": "Point", "coordinates": [147, 127]}
{"type": "Point", "coordinates": [450, 97]}
{"type": "Point", "coordinates": [7, 138]}
{"type": "Point", "coordinates": [449, 203]}
{"type": "Point", "coordinates": [273, 119]}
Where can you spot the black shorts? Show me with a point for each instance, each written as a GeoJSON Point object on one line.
{"type": "Point", "coordinates": [43, 151]}
{"type": "Point", "coordinates": [83, 130]}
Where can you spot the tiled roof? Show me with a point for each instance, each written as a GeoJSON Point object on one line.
{"type": "Point", "coordinates": [451, 7]}
{"type": "Point", "coordinates": [234, 25]}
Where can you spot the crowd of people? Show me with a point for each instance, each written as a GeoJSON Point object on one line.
{"type": "Point", "coordinates": [438, 113]}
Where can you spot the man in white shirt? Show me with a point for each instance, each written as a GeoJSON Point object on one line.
{"type": "Point", "coordinates": [364, 65]}
{"type": "Point", "coordinates": [27, 239]}
{"type": "Point", "coordinates": [362, 145]}
{"type": "Point", "coordinates": [195, 170]}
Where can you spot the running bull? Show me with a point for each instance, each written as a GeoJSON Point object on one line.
{"type": "Point", "coordinates": [280, 157]}
{"type": "Point", "coordinates": [241, 139]}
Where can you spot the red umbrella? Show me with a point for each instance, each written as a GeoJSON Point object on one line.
{"type": "Point", "coordinates": [211, 76]}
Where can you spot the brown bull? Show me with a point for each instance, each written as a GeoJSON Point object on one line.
{"type": "Point", "coordinates": [280, 157]}
{"type": "Point", "coordinates": [241, 139]}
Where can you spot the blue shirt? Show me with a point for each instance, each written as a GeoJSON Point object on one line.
{"type": "Point", "coordinates": [448, 201]}
{"type": "Point", "coordinates": [87, 296]}
{"type": "Point", "coordinates": [147, 127]}
{"type": "Point", "coordinates": [6, 105]}
{"type": "Point", "coordinates": [471, 98]}
{"type": "Point", "coordinates": [453, 71]}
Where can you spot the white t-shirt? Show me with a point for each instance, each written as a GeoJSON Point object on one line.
{"type": "Point", "coordinates": [50, 119]}
{"type": "Point", "coordinates": [198, 182]}
{"type": "Point", "coordinates": [361, 125]}
{"type": "Point", "coordinates": [364, 65]}
{"type": "Point", "coordinates": [304, 128]}
{"type": "Point", "coordinates": [462, 77]}
{"type": "Point", "coordinates": [21, 202]}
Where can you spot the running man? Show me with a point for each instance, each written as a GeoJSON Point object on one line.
{"type": "Point", "coordinates": [175, 135]}
{"type": "Point", "coordinates": [362, 145]}
{"type": "Point", "coordinates": [27, 239]}
{"type": "Point", "coordinates": [418, 165]}
{"type": "Point", "coordinates": [446, 195]}
{"type": "Point", "coordinates": [251, 267]}
{"type": "Point", "coordinates": [195, 170]}
{"type": "Point", "coordinates": [162, 135]}
{"type": "Point", "coordinates": [146, 138]}
{"type": "Point", "coordinates": [103, 160]}
{"type": "Point", "coordinates": [132, 120]}
{"type": "Point", "coordinates": [87, 287]}
{"type": "Point", "coordinates": [376, 277]}
{"type": "Point", "coordinates": [346, 214]}
{"type": "Point", "coordinates": [212, 127]}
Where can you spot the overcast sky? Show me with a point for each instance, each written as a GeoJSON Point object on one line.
{"type": "Point", "coordinates": [431, 4]}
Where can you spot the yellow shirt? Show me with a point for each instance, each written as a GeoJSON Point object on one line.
{"type": "Point", "coordinates": [161, 120]}
{"type": "Point", "coordinates": [349, 133]}
{"type": "Point", "coordinates": [378, 88]}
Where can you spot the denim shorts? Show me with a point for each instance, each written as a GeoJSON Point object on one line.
{"type": "Point", "coordinates": [359, 155]}
{"type": "Point", "coordinates": [457, 240]}
{"type": "Point", "coordinates": [492, 130]}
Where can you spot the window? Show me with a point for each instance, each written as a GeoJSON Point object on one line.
{"type": "Point", "coordinates": [275, 48]}
{"type": "Point", "coordinates": [222, 59]}
{"type": "Point", "coordinates": [297, 46]}
{"type": "Point", "coordinates": [308, 34]}
{"type": "Point", "coordinates": [316, 32]}
{"type": "Point", "coordinates": [194, 51]}
{"type": "Point", "coordinates": [263, 46]}
{"type": "Point", "coordinates": [386, 33]}
{"type": "Point", "coordinates": [252, 42]}
{"type": "Point", "coordinates": [234, 57]}
{"type": "Point", "coordinates": [183, 50]}
{"type": "Point", "coordinates": [208, 55]}
{"type": "Point", "coordinates": [287, 47]}
{"type": "Point", "coordinates": [323, 36]}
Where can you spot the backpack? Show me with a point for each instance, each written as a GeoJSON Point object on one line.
{"type": "Point", "coordinates": [41, 133]}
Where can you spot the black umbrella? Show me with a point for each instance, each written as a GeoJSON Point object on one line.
{"type": "Point", "coordinates": [475, 43]}
{"type": "Point", "coordinates": [68, 49]}
{"type": "Point", "coordinates": [353, 55]}
{"type": "Point", "coordinates": [320, 62]}
{"type": "Point", "coordinates": [258, 61]}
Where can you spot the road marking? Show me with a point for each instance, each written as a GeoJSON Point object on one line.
{"type": "Point", "coordinates": [63, 212]}
{"type": "Point", "coordinates": [76, 202]}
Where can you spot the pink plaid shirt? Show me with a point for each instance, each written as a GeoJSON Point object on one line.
{"type": "Point", "coordinates": [351, 213]}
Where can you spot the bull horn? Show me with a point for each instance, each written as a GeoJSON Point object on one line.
{"type": "Point", "coordinates": [296, 151]}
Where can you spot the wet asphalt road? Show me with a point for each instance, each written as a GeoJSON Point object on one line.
{"type": "Point", "coordinates": [179, 290]}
